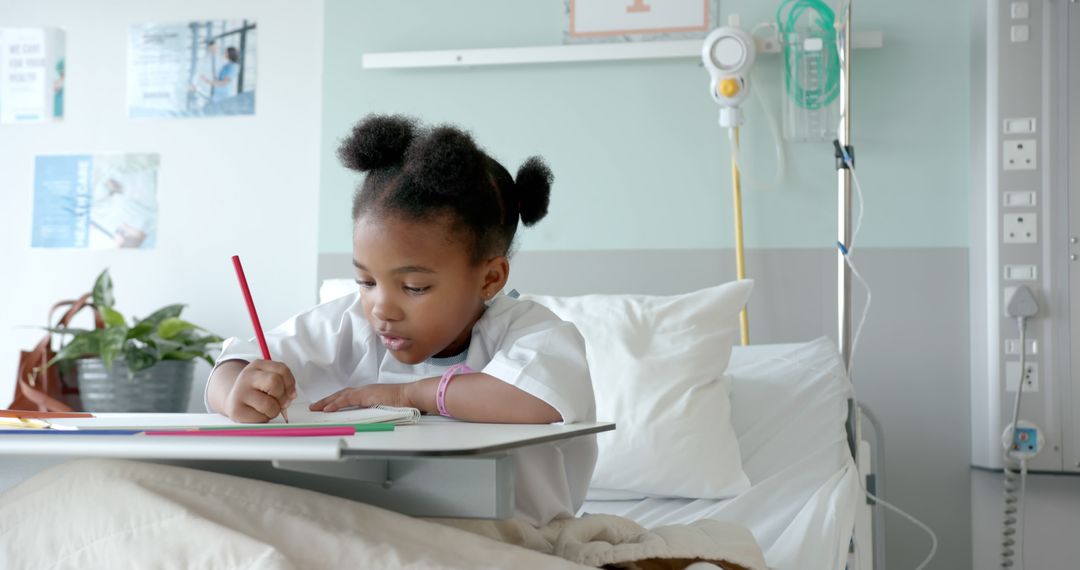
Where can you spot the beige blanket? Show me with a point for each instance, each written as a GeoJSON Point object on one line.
{"type": "Point", "coordinates": [611, 541]}
{"type": "Point", "coordinates": [124, 514]}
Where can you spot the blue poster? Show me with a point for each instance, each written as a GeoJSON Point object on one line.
{"type": "Point", "coordinates": [95, 201]}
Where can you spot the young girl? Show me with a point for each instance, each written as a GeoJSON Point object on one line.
{"type": "Point", "coordinates": [433, 225]}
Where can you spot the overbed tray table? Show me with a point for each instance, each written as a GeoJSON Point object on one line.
{"type": "Point", "coordinates": [437, 468]}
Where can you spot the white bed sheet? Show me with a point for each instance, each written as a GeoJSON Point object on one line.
{"type": "Point", "coordinates": [789, 405]}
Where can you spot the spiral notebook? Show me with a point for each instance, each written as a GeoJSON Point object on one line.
{"type": "Point", "coordinates": [298, 416]}
{"type": "Point", "coordinates": [377, 414]}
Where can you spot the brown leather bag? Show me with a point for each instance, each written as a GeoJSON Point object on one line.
{"type": "Point", "coordinates": [39, 386]}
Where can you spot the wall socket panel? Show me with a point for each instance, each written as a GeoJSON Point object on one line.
{"type": "Point", "coordinates": [1012, 376]}
{"type": "Point", "coordinates": [1012, 347]}
{"type": "Point", "coordinates": [1019, 154]}
{"type": "Point", "coordinates": [1022, 227]}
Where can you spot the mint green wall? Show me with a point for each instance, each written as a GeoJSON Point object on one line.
{"type": "Point", "coordinates": [638, 158]}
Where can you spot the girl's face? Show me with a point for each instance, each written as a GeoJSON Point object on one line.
{"type": "Point", "coordinates": [420, 292]}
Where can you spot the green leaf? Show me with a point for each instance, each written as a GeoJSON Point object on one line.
{"type": "Point", "coordinates": [163, 345]}
{"type": "Point", "coordinates": [112, 317]}
{"type": "Point", "coordinates": [173, 326]}
{"type": "Point", "coordinates": [103, 291]}
{"type": "Point", "coordinates": [140, 331]}
{"type": "Point", "coordinates": [200, 343]}
{"type": "Point", "coordinates": [66, 330]}
{"type": "Point", "coordinates": [112, 342]}
{"type": "Point", "coordinates": [140, 357]}
{"type": "Point", "coordinates": [161, 314]}
{"type": "Point", "coordinates": [82, 344]}
{"type": "Point", "coordinates": [180, 355]}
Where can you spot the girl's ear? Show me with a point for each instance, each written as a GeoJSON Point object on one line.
{"type": "Point", "coordinates": [495, 273]}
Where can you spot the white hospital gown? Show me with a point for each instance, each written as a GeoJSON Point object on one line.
{"type": "Point", "coordinates": [332, 347]}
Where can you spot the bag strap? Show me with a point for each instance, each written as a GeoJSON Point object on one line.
{"type": "Point", "coordinates": [73, 309]}
{"type": "Point", "coordinates": [76, 306]}
{"type": "Point", "coordinates": [41, 398]}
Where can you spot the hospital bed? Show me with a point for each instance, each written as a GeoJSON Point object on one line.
{"type": "Point", "coordinates": [790, 409]}
{"type": "Point", "coordinates": [789, 412]}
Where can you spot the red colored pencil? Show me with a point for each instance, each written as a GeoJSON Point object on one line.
{"type": "Point", "coordinates": [254, 316]}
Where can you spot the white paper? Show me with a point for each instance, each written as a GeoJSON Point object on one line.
{"type": "Point", "coordinates": [298, 415]}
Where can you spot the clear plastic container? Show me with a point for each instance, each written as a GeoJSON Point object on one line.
{"type": "Point", "coordinates": [811, 80]}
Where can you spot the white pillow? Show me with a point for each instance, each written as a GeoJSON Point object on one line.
{"type": "Point", "coordinates": [335, 288]}
{"type": "Point", "coordinates": [657, 368]}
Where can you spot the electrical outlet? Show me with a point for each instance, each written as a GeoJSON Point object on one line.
{"type": "Point", "coordinates": [1020, 228]}
{"type": "Point", "coordinates": [1025, 440]}
{"type": "Point", "coordinates": [1012, 376]}
{"type": "Point", "coordinates": [1019, 155]}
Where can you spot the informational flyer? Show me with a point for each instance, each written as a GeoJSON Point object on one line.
{"type": "Point", "coordinates": [31, 75]}
{"type": "Point", "coordinates": [192, 69]}
{"type": "Point", "coordinates": [104, 201]}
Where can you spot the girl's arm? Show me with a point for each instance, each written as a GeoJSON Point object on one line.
{"type": "Point", "coordinates": [474, 397]}
{"type": "Point", "coordinates": [477, 397]}
{"type": "Point", "coordinates": [221, 383]}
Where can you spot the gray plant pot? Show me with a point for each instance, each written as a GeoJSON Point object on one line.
{"type": "Point", "coordinates": [164, 387]}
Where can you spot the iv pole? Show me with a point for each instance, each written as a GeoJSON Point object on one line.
{"type": "Point", "coordinates": [843, 202]}
{"type": "Point", "coordinates": [844, 237]}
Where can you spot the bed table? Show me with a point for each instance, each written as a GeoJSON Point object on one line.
{"type": "Point", "coordinates": [437, 468]}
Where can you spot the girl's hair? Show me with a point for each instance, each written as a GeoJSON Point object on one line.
{"type": "Point", "coordinates": [425, 173]}
{"type": "Point", "coordinates": [232, 54]}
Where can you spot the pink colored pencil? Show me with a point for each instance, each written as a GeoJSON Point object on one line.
{"type": "Point", "coordinates": [256, 432]}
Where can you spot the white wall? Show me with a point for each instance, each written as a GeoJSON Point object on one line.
{"type": "Point", "coordinates": [233, 185]}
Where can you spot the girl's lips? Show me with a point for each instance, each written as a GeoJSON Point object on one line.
{"type": "Point", "coordinates": [395, 343]}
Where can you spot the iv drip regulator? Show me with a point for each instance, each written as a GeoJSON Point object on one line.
{"type": "Point", "coordinates": [728, 55]}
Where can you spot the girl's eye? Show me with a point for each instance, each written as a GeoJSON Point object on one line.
{"type": "Point", "coordinates": [415, 290]}
{"type": "Point", "coordinates": [365, 284]}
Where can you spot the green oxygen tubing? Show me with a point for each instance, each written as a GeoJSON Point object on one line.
{"type": "Point", "coordinates": [787, 18]}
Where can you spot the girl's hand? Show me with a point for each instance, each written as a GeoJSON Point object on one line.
{"type": "Point", "coordinates": [365, 397]}
{"type": "Point", "coordinates": [261, 391]}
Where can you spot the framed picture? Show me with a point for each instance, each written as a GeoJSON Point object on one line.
{"type": "Point", "coordinates": [630, 20]}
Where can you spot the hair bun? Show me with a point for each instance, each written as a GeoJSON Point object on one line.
{"type": "Point", "coordinates": [377, 141]}
{"type": "Point", "coordinates": [446, 161]}
{"type": "Point", "coordinates": [533, 185]}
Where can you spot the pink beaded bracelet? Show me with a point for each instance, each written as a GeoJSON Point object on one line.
{"type": "Point", "coordinates": [440, 392]}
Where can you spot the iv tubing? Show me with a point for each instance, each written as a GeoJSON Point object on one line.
{"type": "Point", "coordinates": [740, 261]}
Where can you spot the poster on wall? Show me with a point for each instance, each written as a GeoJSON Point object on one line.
{"type": "Point", "coordinates": [31, 75]}
{"type": "Point", "coordinates": [103, 201]}
{"type": "Point", "coordinates": [637, 20]}
{"type": "Point", "coordinates": [192, 69]}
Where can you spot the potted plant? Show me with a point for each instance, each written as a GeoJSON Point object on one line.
{"type": "Point", "coordinates": [145, 366]}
